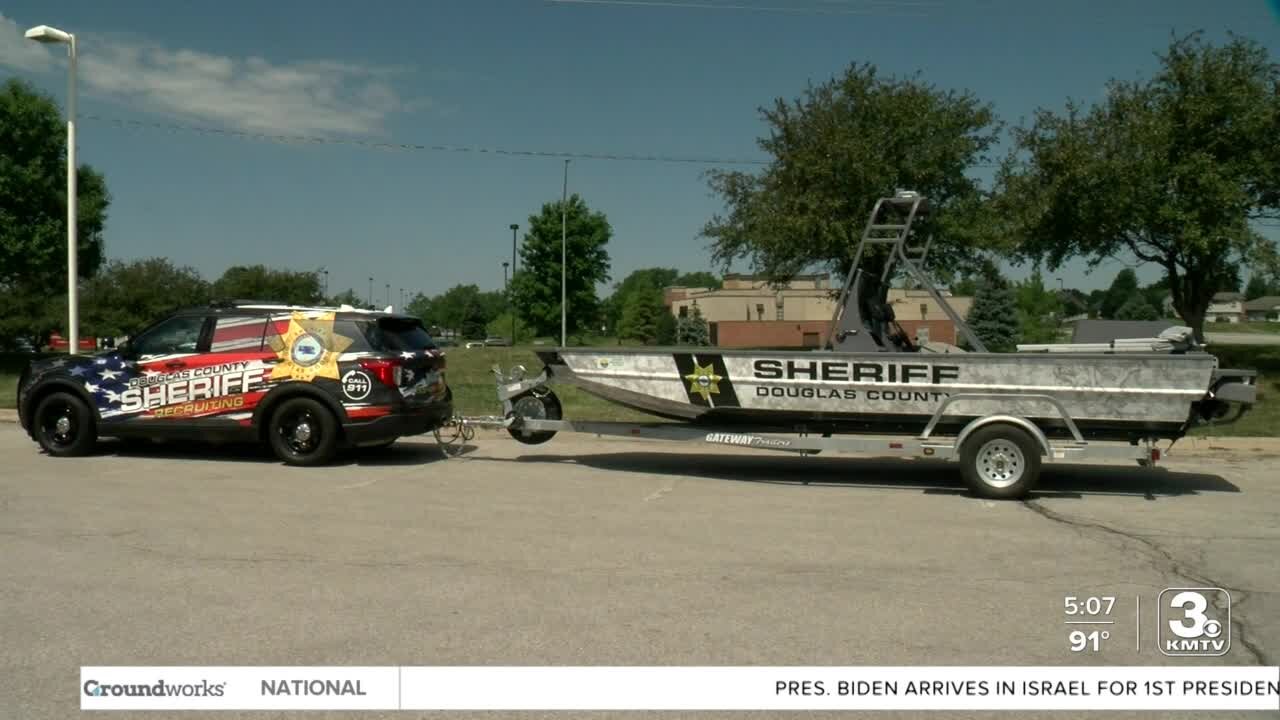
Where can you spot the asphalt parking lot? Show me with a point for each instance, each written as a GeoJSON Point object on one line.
{"type": "Point", "coordinates": [587, 552]}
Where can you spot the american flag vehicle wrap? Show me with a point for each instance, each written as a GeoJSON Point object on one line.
{"type": "Point", "coordinates": [247, 357]}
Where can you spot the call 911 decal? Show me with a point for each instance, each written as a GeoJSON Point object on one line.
{"type": "Point", "coordinates": [356, 384]}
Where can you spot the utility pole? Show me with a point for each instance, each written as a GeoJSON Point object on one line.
{"type": "Point", "coordinates": [564, 294]}
{"type": "Point", "coordinates": [510, 300]}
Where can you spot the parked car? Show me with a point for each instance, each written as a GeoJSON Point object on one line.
{"type": "Point", "coordinates": [474, 344]}
{"type": "Point", "coordinates": [495, 341]}
{"type": "Point", "coordinates": [303, 380]}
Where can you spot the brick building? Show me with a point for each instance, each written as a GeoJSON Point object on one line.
{"type": "Point", "coordinates": [749, 312]}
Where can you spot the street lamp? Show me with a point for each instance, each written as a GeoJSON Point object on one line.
{"type": "Point", "coordinates": [325, 272]}
{"type": "Point", "coordinates": [505, 265]}
{"type": "Point", "coordinates": [511, 300]}
{"type": "Point", "coordinates": [371, 292]}
{"type": "Point", "coordinates": [46, 34]}
{"type": "Point", "coordinates": [564, 210]}
{"type": "Point", "coordinates": [388, 293]}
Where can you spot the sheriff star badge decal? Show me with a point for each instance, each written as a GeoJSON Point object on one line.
{"type": "Point", "coordinates": [309, 348]}
{"type": "Point", "coordinates": [704, 381]}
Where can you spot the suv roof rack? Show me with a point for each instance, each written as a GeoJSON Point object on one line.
{"type": "Point", "coordinates": [239, 303]}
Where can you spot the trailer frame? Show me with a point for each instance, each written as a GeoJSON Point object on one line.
{"type": "Point", "coordinates": [1017, 439]}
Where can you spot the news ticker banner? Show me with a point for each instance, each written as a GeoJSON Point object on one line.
{"type": "Point", "coordinates": [680, 688]}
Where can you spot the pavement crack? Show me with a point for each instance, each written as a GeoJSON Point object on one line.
{"type": "Point", "coordinates": [282, 558]}
{"type": "Point", "coordinates": [1164, 561]}
{"type": "Point", "coordinates": [667, 487]}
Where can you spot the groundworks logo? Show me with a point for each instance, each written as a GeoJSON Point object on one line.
{"type": "Point", "coordinates": [160, 688]}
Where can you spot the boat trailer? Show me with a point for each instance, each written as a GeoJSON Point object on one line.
{"type": "Point", "coordinates": [1000, 415]}
{"type": "Point", "coordinates": [999, 455]}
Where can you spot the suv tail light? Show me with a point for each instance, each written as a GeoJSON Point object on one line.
{"type": "Point", "coordinates": [388, 372]}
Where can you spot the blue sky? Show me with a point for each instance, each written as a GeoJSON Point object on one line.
{"type": "Point", "coordinates": [590, 77]}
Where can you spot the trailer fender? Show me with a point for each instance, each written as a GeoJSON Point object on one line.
{"type": "Point", "coordinates": [1023, 423]}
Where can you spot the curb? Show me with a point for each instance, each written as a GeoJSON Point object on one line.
{"type": "Point", "coordinates": [8, 416]}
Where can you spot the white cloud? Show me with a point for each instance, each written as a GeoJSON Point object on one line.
{"type": "Point", "coordinates": [253, 94]}
{"type": "Point", "coordinates": [18, 52]}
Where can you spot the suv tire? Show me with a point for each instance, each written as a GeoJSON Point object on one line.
{"type": "Point", "coordinates": [303, 432]}
{"type": "Point", "coordinates": [63, 425]}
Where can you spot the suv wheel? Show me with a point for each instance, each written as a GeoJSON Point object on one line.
{"type": "Point", "coordinates": [303, 431]}
{"type": "Point", "coordinates": [63, 425]}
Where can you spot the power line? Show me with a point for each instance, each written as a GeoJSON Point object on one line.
{"type": "Point", "coordinates": [415, 147]}
{"type": "Point", "coordinates": [874, 7]}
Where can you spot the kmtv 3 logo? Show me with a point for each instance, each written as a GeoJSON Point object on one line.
{"type": "Point", "coordinates": [1194, 622]}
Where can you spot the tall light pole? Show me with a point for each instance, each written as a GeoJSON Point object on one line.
{"type": "Point", "coordinates": [370, 292]}
{"type": "Point", "coordinates": [388, 293]}
{"type": "Point", "coordinates": [564, 295]}
{"type": "Point", "coordinates": [325, 272]}
{"type": "Point", "coordinates": [505, 265]}
{"type": "Point", "coordinates": [46, 34]}
{"type": "Point", "coordinates": [511, 300]}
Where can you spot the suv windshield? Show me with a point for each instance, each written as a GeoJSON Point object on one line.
{"type": "Point", "coordinates": [396, 334]}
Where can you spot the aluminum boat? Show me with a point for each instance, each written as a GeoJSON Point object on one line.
{"type": "Point", "coordinates": [871, 378]}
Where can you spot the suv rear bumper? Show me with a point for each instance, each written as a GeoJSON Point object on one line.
{"type": "Point", "coordinates": [397, 424]}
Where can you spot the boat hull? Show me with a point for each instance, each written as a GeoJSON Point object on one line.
{"type": "Point", "coordinates": [1107, 395]}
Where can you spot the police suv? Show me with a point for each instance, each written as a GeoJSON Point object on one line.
{"type": "Point", "coordinates": [304, 380]}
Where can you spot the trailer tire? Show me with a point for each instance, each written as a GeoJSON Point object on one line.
{"type": "Point", "coordinates": [1000, 461]}
{"type": "Point", "coordinates": [535, 405]}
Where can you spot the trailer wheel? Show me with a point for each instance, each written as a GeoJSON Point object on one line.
{"type": "Point", "coordinates": [1000, 461]}
{"type": "Point", "coordinates": [541, 404]}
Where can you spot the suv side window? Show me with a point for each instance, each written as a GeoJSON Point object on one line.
{"type": "Point", "coordinates": [176, 335]}
{"type": "Point", "coordinates": [232, 333]}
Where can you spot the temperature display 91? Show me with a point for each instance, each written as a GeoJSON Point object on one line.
{"type": "Point", "coordinates": [1084, 612]}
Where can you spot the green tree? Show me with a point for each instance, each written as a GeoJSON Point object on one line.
{"type": "Point", "coordinates": [645, 279]}
{"type": "Point", "coordinates": [463, 309]}
{"type": "Point", "coordinates": [33, 197]}
{"type": "Point", "coordinates": [699, 279]}
{"type": "Point", "coordinates": [32, 312]}
{"type": "Point", "coordinates": [994, 316]}
{"type": "Point", "coordinates": [493, 304]}
{"type": "Point", "coordinates": [1137, 308]}
{"type": "Point", "coordinates": [501, 326]}
{"type": "Point", "coordinates": [536, 289]}
{"type": "Point", "coordinates": [1039, 310]}
{"type": "Point", "coordinates": [692, 329]}
{"type": "Point", "coordinates": [1257, 287]}
{"type": "Point", "coordinates": [641, 315]}
{"type": "Point", "coordinates": [1170, 170]}
{"type": "Point", "coordinates": [1155, 295]}
{"type": "Point", "coordinates": [835, 150]}
{"type": "Point", "coordinates": [259, 282]}
{"type": "Point", "coordinates": [668, 328]}
{"type": "Point", "coordinates": [1124, 288]}
{"type": "Point", "coordinates": [1073, 302]}
{"type": "Point", "coordinates": [349, 297]}
{"type": "Point", "coordinates": [125, 296]}
{"type": "Point", "coordinates": [419, 306]}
